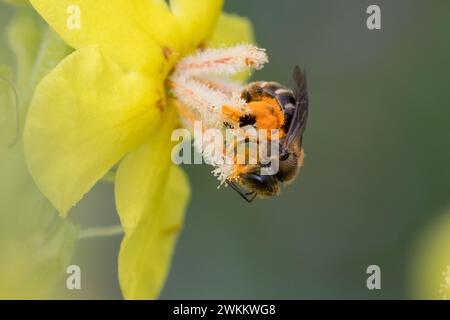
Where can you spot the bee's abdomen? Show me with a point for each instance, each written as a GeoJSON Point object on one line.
{"type": "Point", "coordinates": [255, 91]}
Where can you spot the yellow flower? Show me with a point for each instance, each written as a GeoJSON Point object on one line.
{"type": "Point", "coordinates": [429, 274]}
{"type": "Point", "coordinates": [105, 104]}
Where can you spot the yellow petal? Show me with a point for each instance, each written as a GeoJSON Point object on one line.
{"type": "Point", "coordinates": [113, 25]}
{"type": "Point", "coordinates": [197, 19]}
{"type": "Point", "coordinates": [142, 174]}
{"type": "Point", "coordinates": [159, 22]}
{"type": "Point", "coordinates": [230, 30]}
{"type": "Point", "coordinates": [151, 195]}
{"type": "Point", "coordinates": [182, 27]}
{"type": "Point", "coordinates": [145, 254]}
{"type": "Point", "coordinates": [429, 268]}
{"type": "Point", "coordinates": [85, 115]}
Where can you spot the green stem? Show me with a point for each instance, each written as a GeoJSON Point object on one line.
{"type": "Point", "coordinates": [16, 106]}
{"type": "Point", "coordinates": [101, 232]}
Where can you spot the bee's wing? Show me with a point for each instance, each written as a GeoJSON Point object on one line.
{"type": "Point", "coordinates": [299, 119]}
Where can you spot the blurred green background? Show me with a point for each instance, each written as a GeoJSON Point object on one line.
{"type": "Point", "coordinates": [376, 171]}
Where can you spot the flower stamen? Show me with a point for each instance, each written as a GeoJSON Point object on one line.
{"type": "Point", "coordinates": [226, 61]}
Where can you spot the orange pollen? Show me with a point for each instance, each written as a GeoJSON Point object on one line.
{"type": "Point", "coordinates": [268, 114]}
{"type": "Point", "coordinates": [231, 113]}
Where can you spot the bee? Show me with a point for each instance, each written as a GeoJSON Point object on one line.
{"type": "Point", "coordinates": [274, 107]}
{"type": "Point", "coordinates": [205, 93]}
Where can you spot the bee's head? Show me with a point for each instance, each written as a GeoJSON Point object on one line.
{"type": "Point", "coordinates": [291, 159]}
{"type": "Point", "coordinates": [263, 185]}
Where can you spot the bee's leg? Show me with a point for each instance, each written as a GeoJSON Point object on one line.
{"type": "Point", "coordinates": [253, 196]}
{"type": "Point", "coordinates": [247, 196]}
{"type": "Point", "coordinates": [224, 61]}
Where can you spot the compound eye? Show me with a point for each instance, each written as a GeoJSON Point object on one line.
{"type": "Point", "coordinates": [256, 179]}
